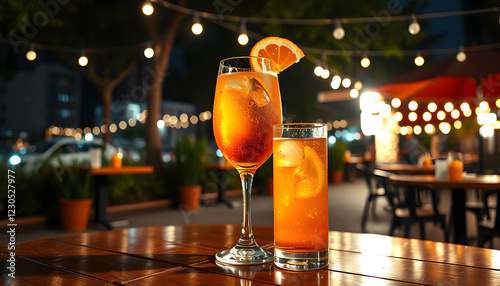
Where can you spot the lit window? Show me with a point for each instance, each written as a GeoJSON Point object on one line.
{"type": "Point", "coordinates": [63, 97]}
{"type": "Point", "coordinates": [64, 113]}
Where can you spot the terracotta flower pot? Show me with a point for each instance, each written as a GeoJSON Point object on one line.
{"type": "Point", "coordinates": [189, 196]}
{"type": "Point", "coordinates": [337, 177]}
{"type": "Point", "coordinates": [75, 214]}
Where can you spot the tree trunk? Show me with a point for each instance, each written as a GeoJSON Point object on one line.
{"type": "Point", "coordinates": [158, 70]}
{"type": "Point", "coordinates": [153, 140]}
{"type": "Point", "coordinates": [106, 91]}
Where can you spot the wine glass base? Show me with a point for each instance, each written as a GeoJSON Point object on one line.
{"type": "Point", "coordinates": [245, 255]}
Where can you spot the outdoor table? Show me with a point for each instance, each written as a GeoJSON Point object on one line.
{"type": "Point", "coordinates": [101, 194]}
{"type": "Point", "coordinates": [221, 181]}
{"type": "Point", "coordinates": [458, 194]}
{"type": "Point", "coordinates": [405, 169]}
{"type": "Point", "coordinates": [184, 255]}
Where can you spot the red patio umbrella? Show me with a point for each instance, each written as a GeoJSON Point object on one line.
{"type": "Point", "coordinates": [449, 80]}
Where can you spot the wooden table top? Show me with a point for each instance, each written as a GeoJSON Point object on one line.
{"type": "Point", "coordinates": [175, 255]}
{"type": "Point", "coordinates": [405, 169]}
{"type": "Point", "coordinates": [469, 181]}
{"type": "Point", "coordinates": [123, 170]}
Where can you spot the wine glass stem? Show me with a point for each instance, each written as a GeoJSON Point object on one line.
{"type": "Point", "coordinates": [246, 237]}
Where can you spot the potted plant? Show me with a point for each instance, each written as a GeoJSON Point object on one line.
{"type": "Point", "coordinates": [75, 203]}
{"type": "Point", "coordinates": [336, 162]}
{"type": "Point", "coordinates": [190, 165]}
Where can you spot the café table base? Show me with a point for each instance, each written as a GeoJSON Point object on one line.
{"type": "Point", "coordinates": [300, 261]}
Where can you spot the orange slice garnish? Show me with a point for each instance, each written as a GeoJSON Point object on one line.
{"type": "Point", "coordinates": [282, 52]}
{"type": "Point", "coordinates": [310, 177]}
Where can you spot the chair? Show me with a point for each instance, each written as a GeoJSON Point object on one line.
{"type": "Point", "coordinates": [490, 228]}
{"type": "Point", "coordinates": [375, 190]}
{"type": "Point", "coordinates": [406, 213]}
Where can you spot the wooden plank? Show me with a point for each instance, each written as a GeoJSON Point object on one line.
{"type": "Point", "coordinates": [191, 276]}
{"type": "Point", "coordinates": [415, 249]}
{"type": "Point", "coordinates": [32, 273]}
{"type": "Point", "coordinates": [409, 270]}
{"type": "Point", "coordinates": [99, 264]}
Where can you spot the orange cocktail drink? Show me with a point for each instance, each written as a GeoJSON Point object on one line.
{"type": "Point", "coordinates": [300, 196]}
{"type": "Point", "coordinates": [247, 104]}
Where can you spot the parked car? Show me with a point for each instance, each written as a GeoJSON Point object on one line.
{"type": "Point", "coordinates": [66, 150]}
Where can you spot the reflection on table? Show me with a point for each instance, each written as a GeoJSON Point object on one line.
{"type": "Point", "coordinates": [458, 194]}
{"type": "Point", "coordinates": [175, 255]}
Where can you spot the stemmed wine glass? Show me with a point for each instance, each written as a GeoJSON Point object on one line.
{"type": "Point", "coordinates": [246, 106]}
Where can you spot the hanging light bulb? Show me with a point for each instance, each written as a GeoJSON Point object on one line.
{"type": "Point", "coordinates": [396, 102]}
{"type": "Point", "coordinates": [354, 93]}
{"type": "Point", "coordinates": [197, 28]}
{"type": "Point", "coordinates": [413, 105]}
{"type": "Point", "coordinates": [147, 8]}
{"type": "Point", "coordinates": [346, 82]}
{"type": "Point", "coordinates": [358, 85]}
{"type": "Point", "coordinates": [31, 54]}
{"type": "Point", "coordinates": [325, 73]}
{"type": "Point", "coordinates": [83, 60]}
{"type": "Point", "coordinates": [318, 69]}
{"type": "Point", "coordinates": [336, 80]}
{"type": "Point", "coordinates": [461, 57]}
{"type": "Point", "coordinates": [414, 27]}
{"type": "Point", "coordinates": [149, 52]}
{"type": "Point", "coordinates": [365, 61]}
{"type": "Point", "coordinates": [243, 38]}
{"type": "Point", "coordinates": [338, 31]}
{"type": "Point", "coordinates": [419, 60]}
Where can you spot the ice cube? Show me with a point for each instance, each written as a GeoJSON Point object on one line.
{"type": "Point", "coordinates": [290, 154]}
{"type": "Point", "coordinates": [239, 83]}
{"type": "Point", "coordinates": [258, 93]}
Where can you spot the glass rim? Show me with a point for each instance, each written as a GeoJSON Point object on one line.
{"type": "Point", "coordinates": [222, 65]}
{"type": "Point", "coordinates": [299, 125]}
{"type": "Point", "coordinates": [244, 57]}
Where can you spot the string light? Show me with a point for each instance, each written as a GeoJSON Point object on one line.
{"type": "Point", "coordinates": [396, 102]}
{"type": "Point", "coordinates": [147, 8]}
{"type": "Point", "coordinates": [365, 61]}
{"type": "Point", "coordinates": [429, 129]}
{"type": "Point", "coordinates": [441, 115]}
{"type": "Point", "coordinates": [336, 80]}
{"type": "Point", "coordinates": [427, 116]}
{"type": "Point", "coordinates": [346, 82]}
{"type": "Point", "coordinates": [432, 107]}
{"type": "Point", "coordinates": [318, 70]}
{"type": "Point", "coordinates": [448, 106]}
{"type": "Point", "coordinates": [354, 93]}
{"type": "Point", "coordinates": [243, 38]}
{"type": "Point", "coordinates": [197, 28]}
{"type": "Point", "coordinates": [461, 56]}
{"type": "Point", "coordinates": [412, 105]}
{"type": "Point", "coordinates": [325, 73]}
{"type": "Point", "coordinates": [358, 85]}
{"type": "Point", "coordinates": [31, 54]}
{"type": "Point", "coordinates": [83, 60]}
{"type": "Point", "coordinates": [338, 31]}
{"type": "Point", "coordinates": [414, 27]}
{"type": "Point", "coordinates": [149, 52]}
{"type": "Point", "coordinates": [419, 60]}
